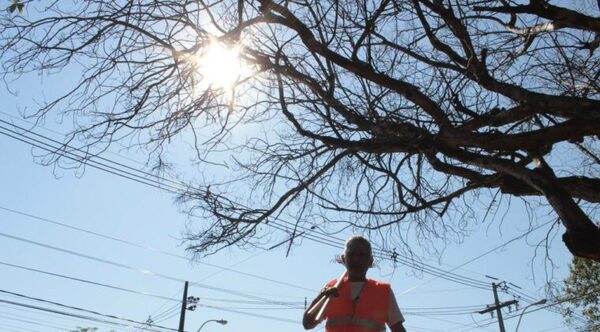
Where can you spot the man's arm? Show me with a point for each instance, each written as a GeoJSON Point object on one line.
{"type": "Point", "coordinates": [309, 320]}
{"type": "Point", "coordinates": [398, 327]}
{"type": "Point", "coordinates": [394, 315]}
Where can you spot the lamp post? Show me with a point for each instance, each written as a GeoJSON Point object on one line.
{"type": "Point", "coordinates": [542, 301]}
{"type": "Point", "coordinates": [220, 321]}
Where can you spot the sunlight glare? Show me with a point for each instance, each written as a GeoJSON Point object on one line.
{"type": "Point", "coordinates": [220, 66]}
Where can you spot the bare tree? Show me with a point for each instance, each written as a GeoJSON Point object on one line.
{"type": "Point", "coordinates": [380, 115]}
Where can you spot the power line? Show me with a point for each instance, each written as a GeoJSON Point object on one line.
{"type": "Point", "coordinates": [325, 239]}
{"type": "Point", "coordinates": [448, 312]}
{"type": "Point", "coordinates": [424, 311]}
{"type": "Point", "coordinates": [473, 307]}
{"type": "Point", "coordinates": [100, 320]}
{"type": "Point", "coordinates": [125, 319]}
{"type": "Point", "coordinates": [85, 160]}
{"type": "Point", "coordinates": [492, 250]}
{"type": "Point", "coordinates": [152, 249]}
{"type": "Point", "coordinates": [285, 320]}
{"type": "Point", "coordinates": [529, 299]}
{"type": "Point", "coordinates": [167, 314]}
{"type": "Point", "coordinates": [448, 322]}
{"type": "Point", "coordinates": [175, 306]}
{"type": "Point", "coordinates": [385, 255]}
{"type": "Point", "coordinates": [226, 309]}
{"type": "Point", "coordinates": [95, 283]}
{"type": "Point", "coordinates": [29, 321]}
{"type": "Point", "coordinates": [554, 303]}
{"type": "Point", "coordinates": [57, 146]}
{"type": "Point", "coordinates": [558, 301]}
{"type": "Point", "coordinates": [77, 308]}
{"type": "Point", "coordinates": [7, 328]}
{"type": "Point", "coordinates": [393, 257]}
{"type": "Point", "coordinates": [31, 312]}
{"type": "Point", "coordinates": [57, 133]}
{"type": "Point", "coordinates": [144, 271]}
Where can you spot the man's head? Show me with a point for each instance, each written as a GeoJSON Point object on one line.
{"type": "Point", "coordinates": [357, 257]}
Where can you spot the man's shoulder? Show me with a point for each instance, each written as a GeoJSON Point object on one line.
{"type": "Point", "coordinates": [379, 283]}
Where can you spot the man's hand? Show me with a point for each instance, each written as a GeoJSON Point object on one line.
{"type": "Point", "coordinates": [329, 291]}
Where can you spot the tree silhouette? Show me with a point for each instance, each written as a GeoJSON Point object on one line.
{"type": "Point", "coordinates": [387, 116]}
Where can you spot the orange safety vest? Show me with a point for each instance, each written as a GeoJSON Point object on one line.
{"type": "Point", "coordinates": [368, 313]}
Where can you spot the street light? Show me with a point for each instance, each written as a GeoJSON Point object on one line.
{"type": "Point", "coordinates": [542, 301]}
{"type": "Point", "coordinates": [220, 321]}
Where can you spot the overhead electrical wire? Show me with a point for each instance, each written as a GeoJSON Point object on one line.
{"type": "Point", "coordinates": [167, 314]}
{"type": "Point", "coordinates": [83, 159]}
{"type": "Point", "coordinates": [153, 327]}
{"type": "Point", "coordinates": [28, 320]}
{"type": "Point", "coordinates": [36, 124]}
{"type": "Point", "coordinates": [78, 316]}
{"type": "Point", "coordinates": [396, 258]}
{"type": "Point", "coordinates": [56, 146]}
{"type": "Point", "coordinates": [285, 320]}
{"type": "Point", "coordinates": [87, 311]}
{"type": "Point", "coordinates": [122, 321]}
{"type": "Point", "coordinates": [325, 239]}
{"type": "Point", "coordinates": [429, 314]}
{"type": "Point", "coordinates": [494, 249]}
{"type": "Point", "coordinates": [558, 301]}
{"type": "Point", "coordinates": [149, 248]}
{"type": "Point", "coordinates": [518, 293]}
{"type": "Point", "coordinates": [338, 243]}
{"type": "Point", "coordinates": [134, 174]}
{"type": "Point", "coordinates": [487, 253]}
{"type": "Point", "coordinates": [439, 311]}
{"type": "Point", "coordinates": [446, 321]}
{"type": "Point", "coordinates": [555, 329]}
{"type": "Point", "coordinates": [177, 188]}
{"type": "Point", "coordinates": [95, 283]}
{"type": "Point", "coordinates": [552, 303]}
{"type": "Point", "coordinates": [145, 271]}
{"type": "Point", "coordinates": [157, 315]}
{"type": "Point", "coordinates": [34, 314]}
{"type": "Point", "coordinates": [8, 328]}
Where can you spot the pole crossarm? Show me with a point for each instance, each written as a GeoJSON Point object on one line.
{"type": "Point", "coordinates": [493, 307]}
{"type": "Point", "coordinates": [497, 306]}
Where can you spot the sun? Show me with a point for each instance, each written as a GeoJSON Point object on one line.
{"type": "Point", "coordinates": [220, 66]}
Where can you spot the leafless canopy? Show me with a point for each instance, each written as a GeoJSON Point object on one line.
{"type": "Point", "coordinates": [374, 114]}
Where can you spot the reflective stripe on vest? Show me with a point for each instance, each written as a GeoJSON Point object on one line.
{"type": "Point", "coordinates": [356, 321]}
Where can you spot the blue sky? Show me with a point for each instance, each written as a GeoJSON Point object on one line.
{"type": "Point", "coordinates": [255, 290]}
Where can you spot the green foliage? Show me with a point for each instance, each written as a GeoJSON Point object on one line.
{"type": "Point", "coordinates": [582, 291]}
{"type": "Point", "coordinates": [16, 5]}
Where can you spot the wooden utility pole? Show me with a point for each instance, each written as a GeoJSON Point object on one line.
{"type": "Point", "coordinates": [183, 308]}
{"type": "Point", "coordinates": [498, 307]}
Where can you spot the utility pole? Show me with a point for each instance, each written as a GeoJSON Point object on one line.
{"type": "Point", "coordinates": [183, 308]}
{"type": "Point", "coordinates": [498, 307]}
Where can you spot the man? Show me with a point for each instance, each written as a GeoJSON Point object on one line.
{"type": "Point", "coordinates": [358, 304]}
